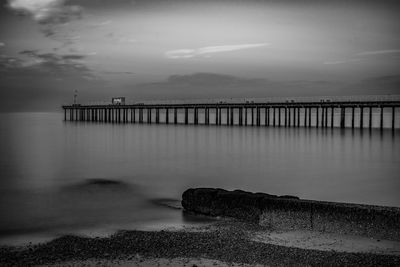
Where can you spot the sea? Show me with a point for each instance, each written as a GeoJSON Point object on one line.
{"type": "Point", "coordinates": [90, 178]}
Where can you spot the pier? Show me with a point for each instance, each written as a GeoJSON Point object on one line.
{"type": "Point", "coordinates": [324, 114]}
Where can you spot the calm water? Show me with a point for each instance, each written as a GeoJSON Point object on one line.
{"type": "Point", "coordinates": [48, 167]}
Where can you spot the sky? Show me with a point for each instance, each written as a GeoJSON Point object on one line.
{"type": "Point", "coordinates": [194, 49]}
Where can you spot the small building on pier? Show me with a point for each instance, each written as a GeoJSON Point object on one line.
{"type": "Point", "coordinates": [118, 101]}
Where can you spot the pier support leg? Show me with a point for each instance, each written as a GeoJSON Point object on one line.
{"type": "Point", "coordinates": [252, 116]}
{"type": "Point", "coordinates": [370, 118]}
{"type": "Point", "coordinates": [157, 115]}
{"type": "Point", "coordinates": [361, 117]}
{"type": "Point", "coordinates": [381, 118]}
{"type": "Point", "coordinates": [266, 117]}
{"type": "Point", "coordinates": [317, 118]}
{"type": "Point", "coordinates": [245, 116]}
{"type": "Point", "coordinates": [279, 117]}
{"type": "Point", "coordinates": [332, 117]}
{"type": "Point", "coordinates": [393, 117]}
{"type": "Point", "coordinates": [149, 115]}
{"type": "Point", "coordinates": [186, 116]}
{"type": "Point", "coordinates": [352, 117]}
{"type": "Point", "coordinates": [342, 117]}
{"type": "Point", "coordinates": [285, 117]}
{"type": "Point", "coordinates": [309, 116]}
{"type": "Point", "coordinates": [298, 116]}
{"type": "Point", "coordinates": [273, 119]}
{"type": "Point", "coordinates": [231, 115]}
{"type": "Point", "coordinates": [240, 116]}
{"type": "Point", "coordinates": [175, 115]}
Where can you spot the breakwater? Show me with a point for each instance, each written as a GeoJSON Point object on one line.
{"type": "Point", "coordinates": [292, 213]}
{"type": "Point", "coordinates": [284, 114]}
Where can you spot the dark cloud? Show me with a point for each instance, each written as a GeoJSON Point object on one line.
{"type": "Point", "coordinates": [54, 63]}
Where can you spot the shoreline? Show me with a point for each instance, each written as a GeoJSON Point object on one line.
{"type": "Point", "coordinates": [226, 241]}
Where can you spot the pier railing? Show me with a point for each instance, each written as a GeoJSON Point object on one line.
{"type": "Point", "coordinates": [290, 113]}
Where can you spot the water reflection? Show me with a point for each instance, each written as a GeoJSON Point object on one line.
{"type": "Point", "coordinates": [57, 175]}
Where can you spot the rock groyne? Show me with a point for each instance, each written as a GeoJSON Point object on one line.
{"type": "Point", "coordinates": [292, 213]}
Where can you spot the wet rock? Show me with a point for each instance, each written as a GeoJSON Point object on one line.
{"type": "Point", "coordinates": [219, 202]}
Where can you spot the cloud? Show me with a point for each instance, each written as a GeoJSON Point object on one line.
{"type": "Point", "coordinates": [207, 50]}
{"type": "Point", "coordinates": [2, 44]}
{"type": "Point", "coordinates": [53, 63]}
{"type": "Point", "coordinates": [46, 11]}
{"type": "Point", "coordinates": [378, 52]}
{"type": "Point", "coordinates": [51, 15]}
{"type": "Point", "coordinates": [362, 54]}
{"type": "Point", "coordinates": [341, 61]}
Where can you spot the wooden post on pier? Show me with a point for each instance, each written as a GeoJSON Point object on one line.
{"type": "Point", "coordinates": [352, 117]}
{"type": "Point", "coordinates": [196, 116]}
{"type": "Point", "coordinates": [342, 117]}
{"type": "Point", "coordinates": [231, 115]}
{"type": "Point", "coordinates": [279, 117]}
{"type": "Point", "coordinates": [149, 115]}
{"type": "Point", "coordinates": [317, 118]}
{"type": "Point", "coordinates": [252, 116]}
{"type": "Point", "coordinates": [273, 119]}
{"type": "Point", "coordinates": [370, 118]}
{"type": "Point", "coordinates": [285, 116]}
{"type": "Point", "coordinates": [157, 115]}
{"type": "Point", "coordinates": [269, 116]}
{"type": "Point", "coordinates": [289, 116]}
{"type": "Point", "coordinates": [216, 116]}
{"type": "Point", "coordinates": [361, 117]}
{"type": "Point", "coordinates": [219, 116]}
{"type": "Point", "coordinates": [305, 117]}
{"type": "Point", "coordinates": [381, 118]}
{"type": "Point", "coordinates": [175, 115]}
{"type": "Point", "coordinates": [186, 116]}
{"type": "Point", "coordinates": [166, 115]}
{"type": "Point", "coordinates": [245, 116]}
{"type": "Point", "coordinates": [240, 116]}
{"type": "Point", "coordinates": [393, 117]}
{"type": "Point", "coordinates": [309, 116]}
{"type": "Point", "coordinates": [294, 116]}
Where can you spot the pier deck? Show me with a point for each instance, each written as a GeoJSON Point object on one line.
{"type": "Point", "coordinates": [277, 114]}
